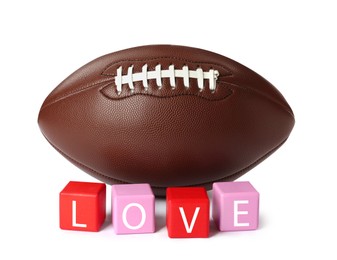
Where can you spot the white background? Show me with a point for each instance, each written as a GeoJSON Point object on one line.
{"type": "Point", "coordinates": [292, 44]}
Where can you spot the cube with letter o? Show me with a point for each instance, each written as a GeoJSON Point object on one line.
{"type": "Point", "coordinates": [133, 208]}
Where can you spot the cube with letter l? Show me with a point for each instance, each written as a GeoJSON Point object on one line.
{"type": "Point", "coordinates": [82, 206]}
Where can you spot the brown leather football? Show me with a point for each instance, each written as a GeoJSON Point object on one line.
{"type": "Point", "coordinates": [165, 115]}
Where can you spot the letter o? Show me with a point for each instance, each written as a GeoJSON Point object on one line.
{"type": "Point", "coordinates": [142, 211]}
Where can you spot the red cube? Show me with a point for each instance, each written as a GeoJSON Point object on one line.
{"type": "Point", "coordinates": [82, 206]}
{"type": "Point", "coordinates": [187, 212]}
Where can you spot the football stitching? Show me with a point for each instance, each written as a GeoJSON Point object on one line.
{"type": "Point", "coordinates": [158, 74]}
{"type": "Point", "coordinates": [84, 88]}
{"type": "Point", "coordinates": [229, 73]}
{"type": "Point", "coordinates": [231, 91]}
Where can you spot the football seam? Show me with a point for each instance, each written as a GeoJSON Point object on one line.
{"type": "Point", "coordinates": [221, 77]}
{"type": "Point", "coordinates": [74, 92]}
{"type": "Point", "coordinates": [170, 96]}
{"type": "Point", "coordinates": [110, 81]}
{"type": "Point", "coordinates": [267, 97]}
{"type": "Point", "coordinates": [228, 71]}
{"type": "Point", "coordinates": [227, 178]}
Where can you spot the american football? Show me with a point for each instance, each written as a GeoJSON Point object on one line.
{"type": "Point", "coordinates": [165, 115]}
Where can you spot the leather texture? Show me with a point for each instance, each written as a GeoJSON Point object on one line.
{"type": "Point", "coordinates": [165, 136]}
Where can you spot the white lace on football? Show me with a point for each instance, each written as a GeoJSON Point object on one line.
{"type": "Point", "coordinates": [158, 74]}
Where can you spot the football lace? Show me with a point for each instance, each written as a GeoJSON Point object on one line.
{"type": "Point", "coordinates": [171, 73]}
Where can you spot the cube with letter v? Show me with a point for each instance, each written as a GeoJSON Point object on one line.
{"type": "Point", "coordinates": [187, 212]}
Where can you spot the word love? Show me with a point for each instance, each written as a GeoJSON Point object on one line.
{"type": "Point", "coordinates": [235, 207]}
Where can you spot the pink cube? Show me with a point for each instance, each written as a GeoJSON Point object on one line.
{"type": "Point", "coordinates": [133, 208]}
{"type": "Point", "coordinates": [235, 206]}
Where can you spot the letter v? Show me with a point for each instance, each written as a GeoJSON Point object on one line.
{"type": "Point", "coordinates": [189, 228]}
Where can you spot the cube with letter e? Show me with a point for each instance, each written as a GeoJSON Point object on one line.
{"type": "Point", "coordinates": [235, 206]}
{"type": "Point", "coordinates": [187, 212]}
